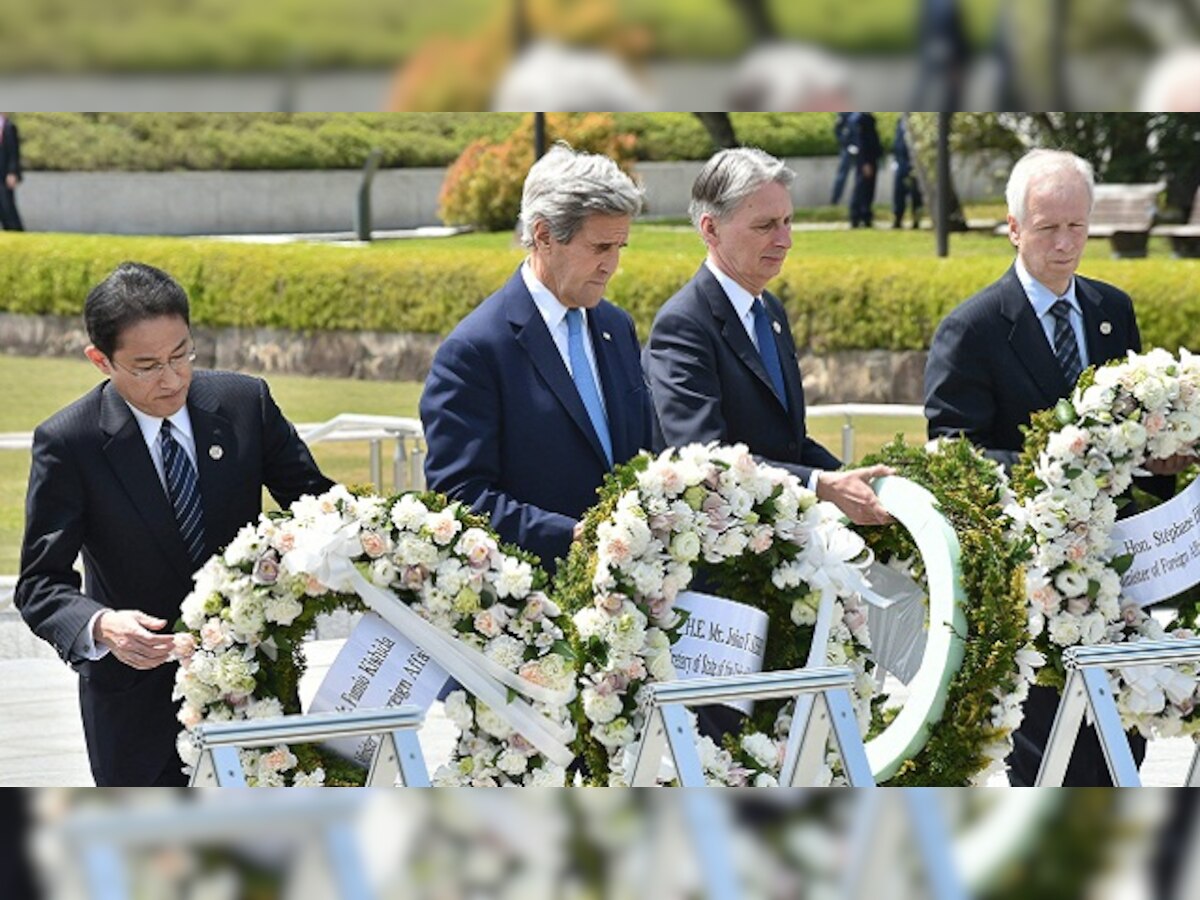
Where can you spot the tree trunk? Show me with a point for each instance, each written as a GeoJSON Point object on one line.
{"type": "Point", "coordinates": [719, 128]}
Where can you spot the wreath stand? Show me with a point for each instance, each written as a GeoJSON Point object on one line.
{"type": "Point", "coordinates": [1088, 687]}
{"type": "Point", "coordinates": [397, 757]}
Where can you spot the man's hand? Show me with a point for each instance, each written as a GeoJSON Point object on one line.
{"type": "Point", "coordinates": [11, 181]}
{"type": "Point", "coordinates": [1172, 465]}
{"type": "Point", "coordinates": [850, 491]}
{"type": "Point", "coordinates": [868, 170]}
{"type": "Point", "coordinates": [129, 634]}
{"type": "Point", "coordinates": [578, 532]}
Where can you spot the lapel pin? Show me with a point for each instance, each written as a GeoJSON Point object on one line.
{"type": "Point", "coordinates": [777, 327]}
{"type": "Point", "coordinates": [606, 335]}
{"type": "Point", "coordinates": [1106, 327]}
{"type": "Point", "coordinates": [215, 451]}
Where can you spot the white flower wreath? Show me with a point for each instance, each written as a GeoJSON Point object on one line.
{"type": "Point", "coordinates": [253, 604]}
{"type": "Point", "coordinates": [763, 538]}
{"type": "Point", "coordinates": [1079, 458]}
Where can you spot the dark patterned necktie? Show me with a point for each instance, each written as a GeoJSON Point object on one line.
{"type": "Point", "coordinates": [1066, 348]}
{"type": "Point", "coordinates": [767, 349]}
{"type": "Point", "coordinates": [184, 493]}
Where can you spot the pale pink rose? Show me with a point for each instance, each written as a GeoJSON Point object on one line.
{"type": "Point", "coordinates": [713, 478]}
{"type": "Point", "coordinates": [636, 670]}
{"type": "Point", "coordinates": [761, 540]}
{"type": "Point", "coordinates": [1076, 552]}
{"type": "Point", "coordinates": [313, 587]}
{"type": "Point", "coordinates": [373, 544]}
{"type": "Point", "coordinates": [486, 623]}
{"type": "Point", "coordinates": [1047, 598]}
{"type": "Point", "coordinates": [518, 743]}
{"type": "Point", "coordinates": [1078, 606]}
{"type": "Point", "coordinates": [659, 606]}
{"type": "Point", "coordinates": [672, 481]}
{"type": "Point", "coordinates": [285, 542]}
{"type": "Point", "coordinates": [189, 717]}
{"type": "Point", "coordinates": [266, 569]}
{"type": "Point", "coordinates": [616, 549]}
{"type": "Point", "coordinates": [413, 577]}
{"type": "Point", "coordinates": [479, 556]}
{"type": "Point", "coordinates": [276, 760]}
{"type": "Point", "coordinates": [443, 528]}
{"type": "Point", "coordinates": [1131, 614]}
{"type": "Point", "coordinates": [1154, 423]}
{"type": "Point", "coordinates": [610, 603]}
{"type": "Point", "coordinates": [535, 607]}
{"type": "Point", "coordinates": [660, 522]}
{"type": "Point", "coordinates": [211, 635]}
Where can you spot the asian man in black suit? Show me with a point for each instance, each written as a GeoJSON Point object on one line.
{"type": "Point", "coordinates": [147, 475]}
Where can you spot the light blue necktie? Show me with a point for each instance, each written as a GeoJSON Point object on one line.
{"type": "Point", "coordinates": [767, 349]}
{"type": "Point", "coordinates": [585, 383]}
{"type": "Point", "coordinates": [184, 492]}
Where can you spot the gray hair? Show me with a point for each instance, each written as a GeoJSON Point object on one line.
{"type": "Point", "coordinates": [566, 186]}
{"type": "Point", "coordinates": [731, 176]}
{"type": "Point", "coordinates": [1041, 163]}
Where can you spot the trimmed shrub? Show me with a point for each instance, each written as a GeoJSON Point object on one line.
{"type": "Point", "coordinates": [834, 303]}
{"type": "Point", "coordinates": [483, 187]}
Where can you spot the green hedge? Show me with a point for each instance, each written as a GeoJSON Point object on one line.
{"type": "Point", "coordinates": [222, 141]}
{"type": "Point", "coordinates": [834, 303]}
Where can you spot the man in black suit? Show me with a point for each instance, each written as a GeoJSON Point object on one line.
{"type": "Point", "coordinates": [1018, 346]}
{"type": "Point", "coordinates": [865, 151]}
{"type": "Point", "coordinates": [10, 169]}
{"type": "Point", "coordinates": [721, 360]}
{"type": "Point", "coordinates": [147, 475]}
{"type": "Point", "coordinates": [538, 393]}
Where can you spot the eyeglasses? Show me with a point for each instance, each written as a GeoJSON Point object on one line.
{"type": "Point", "coordinates": [151, 371]}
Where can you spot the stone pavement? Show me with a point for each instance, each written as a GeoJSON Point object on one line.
{"type": "Point", "coordinates": [41, 738]}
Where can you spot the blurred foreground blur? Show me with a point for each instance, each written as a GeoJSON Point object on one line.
{"type": "Point", "coordinates": [295, 55]}
{"type": "Point", "coordinates": [614, 844]}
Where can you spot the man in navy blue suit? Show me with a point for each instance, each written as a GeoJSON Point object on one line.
{"type": "Point", "coordinates": [721, 360]}
{"type": "Point", "coordinates": [538, 393]}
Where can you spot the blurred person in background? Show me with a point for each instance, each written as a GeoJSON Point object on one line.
{"type": "Point", "coordinates": [841, 131]}
{"type": "Point", "coordinates": [1172, 82]}
{"type": "Point", "coordinates": [10, 165]}
{"type": "Point", "coordinates": [943, 53]}
{"type": "Point", "coordinates": [538, 392]}
{"type": "Point", "coordinates": [905, 186]}
{"type": "Point", "coordinates": [146, 476]}
{"type": "Point", "coordinates": [550, 75]}
{"type": "Point", "coordinates": [783, 76]}
{"type": "Point", "coordinates": [865, 149]}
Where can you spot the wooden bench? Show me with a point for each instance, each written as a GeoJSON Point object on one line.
{"type": "Point", "coordinates": [1185, 239]}
{"type": "Point", "coordinates": [1124, 213]}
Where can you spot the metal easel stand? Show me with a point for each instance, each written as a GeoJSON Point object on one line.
{"type": "Point", "coordinates": [828, 689]}
{"type": "Point", "coordinates": [397, 756]}
{"type": "Point", "coordinates": [324, 819]}
{"type": "Point", "coordinates": [884, 823]}
{"type": "Point", "coordinates": [1088, 686]}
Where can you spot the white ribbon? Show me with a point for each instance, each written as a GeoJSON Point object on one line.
{"type": "Point", "coordinates": [481, 676]}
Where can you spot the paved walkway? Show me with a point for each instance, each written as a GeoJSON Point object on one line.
{"type": "Point", "coordinates": [41, 738]}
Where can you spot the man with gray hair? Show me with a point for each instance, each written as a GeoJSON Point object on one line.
{"type": "Point", "coordinates": [538, 392]}
{"type": "Point", "coordinates": [1019, 346]}
{"type": "Point", "coordinates": [721, 360]}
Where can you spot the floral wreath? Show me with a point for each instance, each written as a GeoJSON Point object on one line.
{"type": "Point", "coordinates": [984, 700]}
{"type": "Point", "coordinates": [1079, 458]}
{"type": "Point", "coordinates": [762, 539]}
{"type": "Point", "coordinates": [253, 604]}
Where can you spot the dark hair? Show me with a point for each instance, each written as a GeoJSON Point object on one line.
{"type": "Point", "coordinates": [133, 293]}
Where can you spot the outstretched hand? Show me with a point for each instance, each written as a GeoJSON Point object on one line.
{"type": "Point", "coordinates": [1172, 465]}
{"type": "Point", "coordinates": [130, 635]}
{"type": "Point", "coordinates": [850, 491]}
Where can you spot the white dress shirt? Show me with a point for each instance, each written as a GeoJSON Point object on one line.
{"type": "Point", "coordinates": [1041, 298]}
{"type": "Point", "coordinates": [743, 305]}
{"type": "Point", "coordinates": [150, 426]}
{"type": "Point", "coordinates": [555, 316]}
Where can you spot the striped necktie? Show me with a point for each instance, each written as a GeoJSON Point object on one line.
{"type": "Point", "coordinates": [184, 493]}
{"type": "Point", "coordinates": [1066, 348]}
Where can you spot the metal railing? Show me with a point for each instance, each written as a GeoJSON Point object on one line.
{"type": "Point", "coordinates": [849, 410]}
{"type": "Point", "coordinates": [408, 452]}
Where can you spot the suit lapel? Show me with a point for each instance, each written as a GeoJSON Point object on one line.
{"type": "Point", "coordinates": [734, 332]}
{"type": "Point", "coordinates": [1028, 341]}
{"type": "Point", "coordinates": [216, 450]}
{"type": "Point", "coordinates": [1101, 347]}
{"type": "Point", "coordinates": [530, 332]}
{"type": "Point", "coordinates": [126, 452]}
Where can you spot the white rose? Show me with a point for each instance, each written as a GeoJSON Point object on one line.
{"type": "Point", "coordinates": [761, 749]}
{"type": "Point", "coordinates": [1064, 630]}
{"type": "Point", "coordinates": [510, 762]}
{"type": "Point", "coordinates": [601, 708]}
{"type": "Point", "coordinates": [685, 546]}
{"type": "Point", "coordinates": [490, 722]}
{"type": "Point", "coordinates": [458, 710]}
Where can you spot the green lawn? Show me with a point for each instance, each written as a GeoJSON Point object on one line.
{"type": "Point", "coordinates": [59, 381]}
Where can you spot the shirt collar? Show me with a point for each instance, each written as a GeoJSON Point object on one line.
{"type": "Point", "coordinates": [552, 309]}
{"type": "Point", "coordinates": [1040, 296]}
{"type": "Point", "coordinates": [152, 425]}
{"type": "Point", "coordinates": [742, 299]}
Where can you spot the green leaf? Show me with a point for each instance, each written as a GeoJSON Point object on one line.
{"type": "Point", "coordinates": [1122, 563]}
{"type": "Point", "coordinates": [1064, 412]}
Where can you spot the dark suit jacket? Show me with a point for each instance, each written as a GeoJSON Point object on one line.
{"type": "Point", "coordinates": [10, 151]}
{"type": "Point", "coordinates": [506, 430]}
{"type": "Point", "coordinates": [709, 383]}
{"type": "Point", "coordinates": [93, 488]}
{"type": "Point", "coordinates": [990, 366]}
